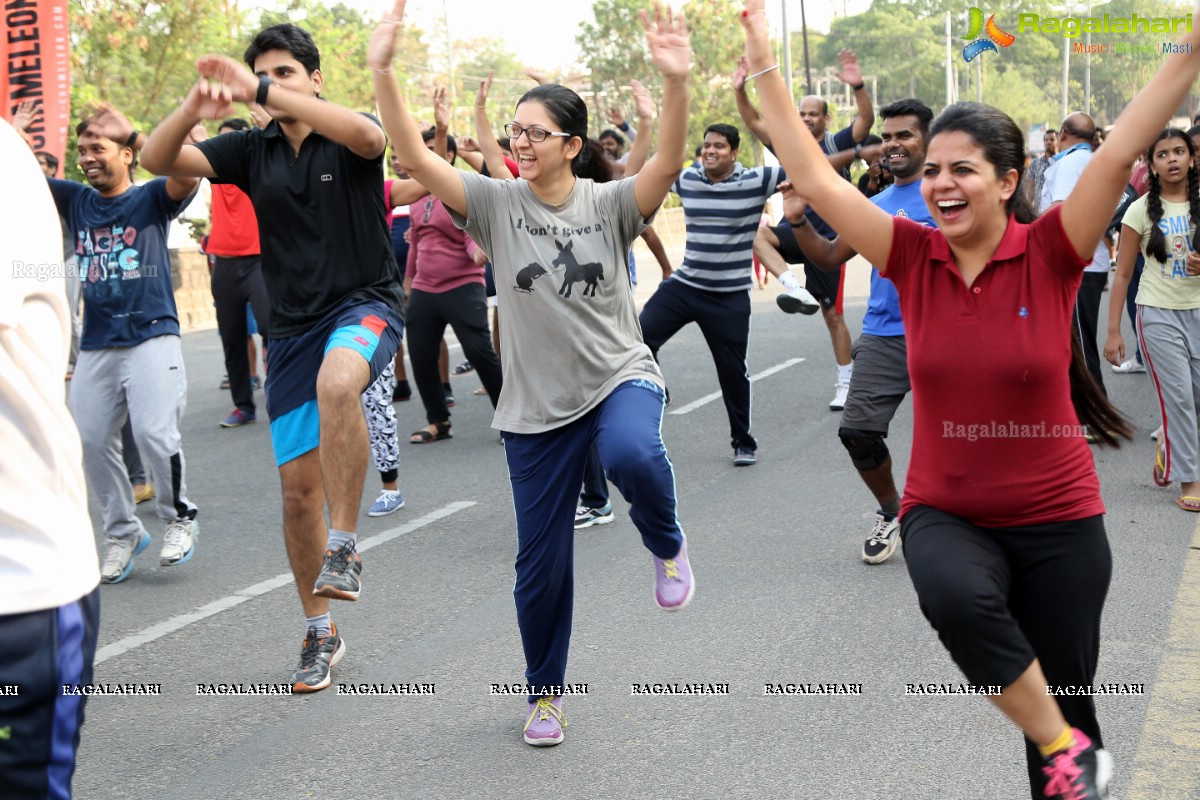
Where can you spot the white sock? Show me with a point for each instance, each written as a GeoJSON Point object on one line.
{"type": "Point", "coordinates": [844, 371]}
{"type": "Point", "coordinates": [788, 280]}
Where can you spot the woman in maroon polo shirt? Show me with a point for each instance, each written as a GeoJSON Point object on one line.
{"type": "Point", "coordinates": [1002, 517]}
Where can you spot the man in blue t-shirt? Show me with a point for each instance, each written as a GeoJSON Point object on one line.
{"type": "Point", "coordinates": [880, 378]}
{"type": "Point", "coordinates": [130, 362]}
{"type": "Point", "coordinates": [825, 287]}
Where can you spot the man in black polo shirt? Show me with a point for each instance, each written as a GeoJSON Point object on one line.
{"type": "Point", "coordinates": [333, 285]}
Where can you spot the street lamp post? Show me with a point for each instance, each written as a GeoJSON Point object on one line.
{"type": "Point", "coordinates": [804, 36]}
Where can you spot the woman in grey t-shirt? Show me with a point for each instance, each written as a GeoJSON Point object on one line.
{"type": "Point", "coordinates": [576, 370]}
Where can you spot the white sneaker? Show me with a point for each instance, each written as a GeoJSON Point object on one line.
{"type": "Point", "coordinates": [1129, 366]}
{"type": "Point", "coordinates": [839, 398]}
{"type": "Point", "coordinates": [179, 542]}
{"type": "Point", "coordinates": [885, 535]}
{"type": "Point", "coordinates": [119, 555]}
{"type": "Point", "coordinates": [798, 300]}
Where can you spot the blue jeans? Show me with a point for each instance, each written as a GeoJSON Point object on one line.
{"type": "Point", "coordinates": [545, 470]}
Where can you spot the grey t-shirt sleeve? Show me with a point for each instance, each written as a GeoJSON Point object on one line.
{"type": "Point", "coordinates": [618, 202]}
{"type": "Point", "coordinates": [483, 196]}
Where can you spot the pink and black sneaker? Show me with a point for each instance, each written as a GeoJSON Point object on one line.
{"type": "Point", "coordinates": [1080, 772]}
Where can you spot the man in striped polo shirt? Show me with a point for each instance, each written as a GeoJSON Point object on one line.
{"type": "Point", "coordinates": [722, 203]}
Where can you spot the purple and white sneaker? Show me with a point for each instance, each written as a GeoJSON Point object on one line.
{"type": "Point", "coordinates": [673, 581]}
{"type": "Point", "coordinates": [544, 727]}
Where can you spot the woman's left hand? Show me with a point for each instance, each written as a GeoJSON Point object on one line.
{"type": "Point", "coordinates": [1193, 264]}
{"type": "Point", "coordinates": [667, 36]}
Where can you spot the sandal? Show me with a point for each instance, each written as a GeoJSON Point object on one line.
{"type": "Point", "coordinates": [423, 436]}
{"type": "Point", "coordinates": [1188, 502]}
{"type": "Point", "coordinates": [1160, 471]}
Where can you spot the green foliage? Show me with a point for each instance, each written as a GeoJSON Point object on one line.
{"type": "Point", "coordinates": [138, 55]}
{"type": "Point", "coordinates": [614, 45]}
{"type": "Point", "coordinates": [341, 34]}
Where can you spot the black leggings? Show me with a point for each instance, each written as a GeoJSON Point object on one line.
{"type": "Point", "coordinates": [464, 309]}
{"type": "Point", "coordinates": [1001, 597]}
{"type": "Point", "coordinates": [236, 281]}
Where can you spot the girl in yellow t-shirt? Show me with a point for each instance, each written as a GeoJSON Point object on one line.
{"type": "Point", "coordinates": [1161, 224]}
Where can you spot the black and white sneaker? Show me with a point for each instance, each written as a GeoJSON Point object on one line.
{"type": "Point", "coordinates": [885, 535]}
{"type": "Point", "coordinates": [587, 517]}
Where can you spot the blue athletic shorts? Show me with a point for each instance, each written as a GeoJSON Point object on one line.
{"type": "Point", "coordinates": [370, 329]}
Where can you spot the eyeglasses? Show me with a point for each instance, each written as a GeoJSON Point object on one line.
{"type": "Point", "coordinates": [514, 131]}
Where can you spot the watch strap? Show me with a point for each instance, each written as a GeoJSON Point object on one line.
{"type": "Point", "coordinates": [264, 85]}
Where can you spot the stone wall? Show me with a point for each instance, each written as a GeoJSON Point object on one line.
{"type": "Point", "coordinates": [193, 292]}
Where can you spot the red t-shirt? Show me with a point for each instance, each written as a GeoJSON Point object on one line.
{"type": "Point", "coordinates": [234, 225]}
{"type": "Point", "coordinates": [989, 363]}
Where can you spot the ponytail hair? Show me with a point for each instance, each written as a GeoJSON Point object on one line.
{"type": "Point", "coordinates": [592, 162]}
{"type": "Point", "coordinates": [1092, 406]}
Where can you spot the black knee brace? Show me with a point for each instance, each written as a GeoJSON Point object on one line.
{"type": "Point", "coordinates": [866, 448]}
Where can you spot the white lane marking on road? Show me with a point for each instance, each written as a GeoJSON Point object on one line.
{"type": "Point", "coordinates": [708, 398]}
{"type": "Point", "coordinates": [160, 630]}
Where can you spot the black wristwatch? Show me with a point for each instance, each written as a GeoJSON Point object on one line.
{"type": "Point", "coordinates": [131, 142]}
{"type": "Point", "coordinates": [857, 152]}
{"type": "Point", "coordinates": [803, 221]}
{"type": "Point", "coordinates": [264, 83]}
{"type": "Point", "coordinates": [858, 86]}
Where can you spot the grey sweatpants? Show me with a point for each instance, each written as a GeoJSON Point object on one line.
{"type": "Point", "coordinates": [1170, 342]}
{"type": "Point", "coordinates": [148, 385]}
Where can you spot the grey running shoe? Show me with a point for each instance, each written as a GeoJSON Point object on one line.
{"type": "Point", "coordinates": [316, 657]}
{"type": "Point", "coordinates": [339, 578]}
{"type": "Point", "coordinates": [744, 457]}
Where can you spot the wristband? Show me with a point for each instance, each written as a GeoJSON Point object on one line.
{"type": "Point", "coordinates": [624, 126]}
{"type": "Point", "coordinates": [857, 151]}
{"type": "Point", "coordinates": [803, 221]}
{"type": "Point", "coordinates": [131, 142]}
{"type": "Point", "coordinates": [857, 86]}
{"type": "Point", "coordinates": [264, 84]}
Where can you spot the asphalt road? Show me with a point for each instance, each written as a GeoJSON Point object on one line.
{"type": "Point", "coordinates": [782, 597]}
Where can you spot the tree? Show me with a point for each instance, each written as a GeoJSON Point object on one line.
{"type": "Point", "coordinates": [137, 55]}
{"type": "Point", "coordinates": [341, 34]}
{"type": "Point", "coordinates": [615, 48]}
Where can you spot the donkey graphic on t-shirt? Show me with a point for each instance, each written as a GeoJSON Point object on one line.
{"type": "Point", "coordinates": [591, 274]}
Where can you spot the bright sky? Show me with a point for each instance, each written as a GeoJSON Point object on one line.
{"type": "Point", "coordinates": [548, 40]}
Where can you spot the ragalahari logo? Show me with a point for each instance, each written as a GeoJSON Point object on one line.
{"type": "Point", "coordinates": [980, 44]}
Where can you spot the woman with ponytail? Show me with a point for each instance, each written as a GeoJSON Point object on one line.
{"type": "Point", "coordinates": [1002, 520]}
{"type": "Point", "coordinates": [576, 370]}
{"type": "Point", "coordinates": [1161, 225]}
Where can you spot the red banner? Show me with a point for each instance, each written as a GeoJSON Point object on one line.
{"type": "Point", "coordinates": [35, 64]}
